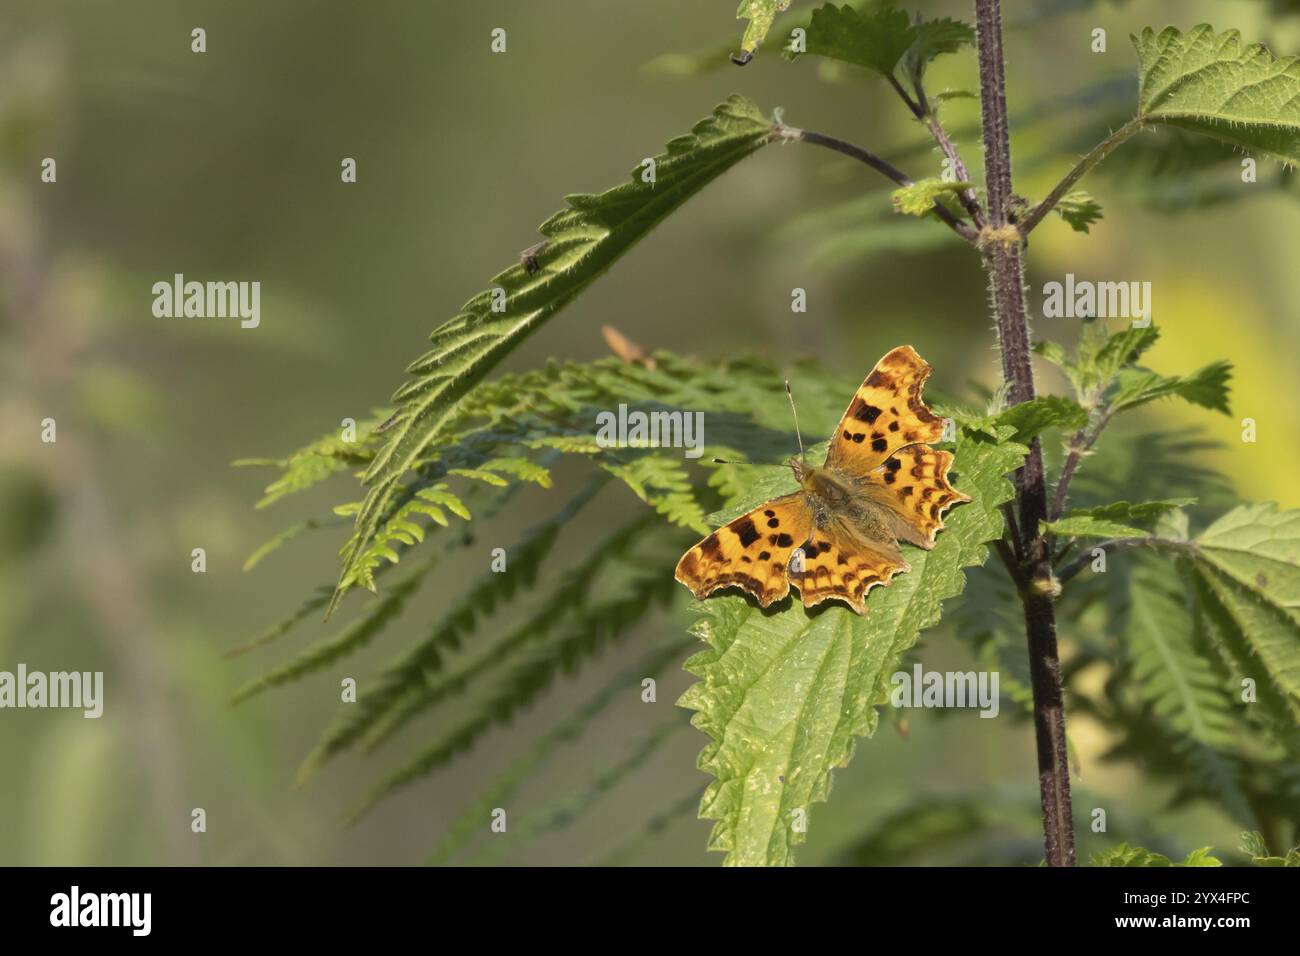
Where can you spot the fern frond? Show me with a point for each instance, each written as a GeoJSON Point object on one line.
{"type": "Point", "coordinates": [1169, 672]}
{"type": "Point", "coordinates": [288, 534]}
{"type": "Point", "coordinates": [587, 627]}
{"type": "Point", "coordinates": [314, 463]}
{"type": "Point", "coordinates": [567, 597]}
{"type": "Point", "coordinates": [683, 808]}
{"type": "Point", "coordinates": [664, 484]}
{"type": "Point", "coordinates": [564, 812]}
{"type": "Point", "coordinates": [284, 626]}
{"type": "Point", "coordinates": [352, 637]}
{"type": "Point", "coordinates": [501, 790]}
{"type": "Point", "coordinates": [403, 689]}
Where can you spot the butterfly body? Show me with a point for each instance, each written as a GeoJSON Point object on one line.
{"type": "Point", "coordinates": [833, 498]}
{"type": "Point", "coordinates": [837, 536]}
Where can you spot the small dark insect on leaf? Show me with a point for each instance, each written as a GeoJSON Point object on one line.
{"type": "Point", "coordinates": [387, 423]}
{"type": "Point", "coordinates": [528, 258]}
{"type": "Point", "coordinates": [742, 58]}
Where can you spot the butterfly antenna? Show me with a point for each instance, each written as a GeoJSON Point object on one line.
{"type": "Point", "coordinates": [790, 395]}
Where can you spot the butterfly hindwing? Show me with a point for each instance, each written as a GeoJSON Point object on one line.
{"type": "Point", "coordinates": [838, 564]}
{"type": "Point", "coordinates": [913, 485]}
{"type": "Point", "coordinates": [752, 552]}
{"type": "Point", "coordinates": [886, 414]}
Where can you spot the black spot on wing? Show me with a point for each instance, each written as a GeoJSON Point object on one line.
{"type": "Point", "coordinates": [744, 530]}
{"type": "Point", "coordinates": [864, 412]}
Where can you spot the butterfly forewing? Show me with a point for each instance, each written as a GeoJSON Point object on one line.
{"type": "Point", "coordinates": [753, 552]}
{"type": "Point", "coordinates": [885, 415]}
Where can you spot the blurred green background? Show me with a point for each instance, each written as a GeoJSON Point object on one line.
{"type": "Point", "coordinates": [226, 166]}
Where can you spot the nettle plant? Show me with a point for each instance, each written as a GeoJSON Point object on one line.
{"type": "Point", "coordinates": [1197, 629]}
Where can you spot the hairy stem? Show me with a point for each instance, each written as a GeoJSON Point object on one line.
{"type": "Point", "coordinates": [882, 166]}
{"type": "Point", "coordinates": [1080, 445]}
{"type": "Point", "coordinates": [1097, 154]}
{"type": "Point", "coordinates": [920, 108]}
{"type": "Point", "coordinates": [1001, 247]}
{"type": "Point", "coordinates": [949, 149]}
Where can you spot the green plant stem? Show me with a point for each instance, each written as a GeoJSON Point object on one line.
{"type": "Point", "coordinates": [882, 166]}
{"type": "Point", "coordinates": [1080, 445]}
{"type": "Point", "coordinates": [1002, 261]}
{"type": "Point", "coordinates": [1098, 153]}
{"type": "Point", "coordinates": [1121, 544]}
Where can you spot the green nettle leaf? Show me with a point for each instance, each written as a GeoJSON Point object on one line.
{"type": "Point", "coordinates": [1022, 422]}
{"type": "Point", "coordinates": [1090, 369]}
{"type": "Point", "coordinates": [1085, 526]}
{"type": "Point", "coordinates": [1214, 84]}
{"type": "Point", "coordinates": [920, 197]}
{"type": "Point", "coordinates": [1079, 209]}
{"type": "Point", "coordinates": [881, 37]}
{"type": "Point", "coordinates": [1125, 855]}
{"type": "Point", "coordinates": [992, 619]}
{"type": "Point", "coordinates": [1105, 355]}
{"type": "Point", "coordinates": [1253, 845]}
{"type": "Point", "coordinates": [933, 39]}
{"type": "Point", "coordinates": [760, 14]}
{"type": "Point", "coordinates": [1104, 372]}
{"type": "Point", "coordinates": [1031, 418]}
{"type": "Point", "coordinates": [875, 38]}
{"type": "Point", "coordinates": [1247, 577]}
{"type": "Point", "coordinates": [1123, 512]}
{"type": "Point", "coordinates": [581, 243]}
{"type": "Point", "coordinates": [783, 693]}
{"type": "Point", "coordinates": [1207, 387]}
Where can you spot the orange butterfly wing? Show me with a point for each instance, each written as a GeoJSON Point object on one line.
{"type": "Point", "coordinates": [839, 563]}
{"type": "Point", "coordinates": [752, 552]}
{"type": "Point", "coordinates": [886, 414]}
{"type": "Point", "coordinates": [899, 490]}
{"type": "Point", "coordinates": [913, 486]}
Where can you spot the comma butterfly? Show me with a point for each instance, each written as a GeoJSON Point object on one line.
{"type": "Point", "coordinates": [837, 537]}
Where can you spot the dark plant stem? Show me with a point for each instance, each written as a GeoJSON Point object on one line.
{"type": "Point", "coordinates": [1001, 244]}
{"type": "Point", "coordinates": [884, 167]}
{"type": "Point", "coordinates": [1009, 560]}
{"type": "Point", "coordinates": [949, 149]}
{"type": "Point", "coordinates": [920, 108]}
